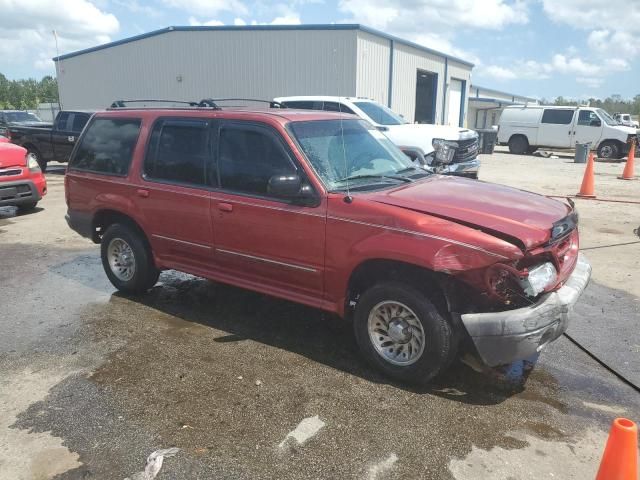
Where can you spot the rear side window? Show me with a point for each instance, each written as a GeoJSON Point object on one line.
{"type": "Point", "coordinates": [79, 121]}
{"type": "Point", "coordinates": [178, 152]}
{"type": "Point", "coordinates": [107, 146]}
{"type": "Point", "coordinates": [61, 120]}
{"type": "Point", "coordinates": [337, 107]}
{"type": "Point", "coordinates": [248, 157]}
{"type": "Point", "coordinates": [557, 116]}
{"type": "Point", "coordinates": [304, 105]}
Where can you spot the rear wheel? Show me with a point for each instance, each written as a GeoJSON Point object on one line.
{"type": "Point", "coordinates": [518, 144]}
{"type": "Point", "coordinates": [400, 332]}
{"type": "Point", "coordinates": [127, 259]}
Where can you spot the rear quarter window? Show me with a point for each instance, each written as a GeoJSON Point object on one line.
{"type": "Point", "coordinates": [107, 146]}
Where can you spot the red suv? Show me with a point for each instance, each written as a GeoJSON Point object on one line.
{"type": "Point", "coordinates": [321, 208]}
{"type": "Point", "coordinates": [22, 183]}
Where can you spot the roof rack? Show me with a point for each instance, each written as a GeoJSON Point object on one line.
{"type": "Point", "coordinates": [204, 103]}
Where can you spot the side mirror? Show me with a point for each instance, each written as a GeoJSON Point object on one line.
{"type": "Point", "coordinates": [286, 186]}
{"type": "Point", "coordinates": [595, 123]}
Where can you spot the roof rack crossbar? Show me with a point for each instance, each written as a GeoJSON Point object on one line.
{"type": "Point", "coordinates": [272, 103]}
{"type": "Point", "coordinates": [123, 103]}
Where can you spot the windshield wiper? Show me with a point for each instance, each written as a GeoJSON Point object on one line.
{"type": "Point", "coordinates": [393, 177]}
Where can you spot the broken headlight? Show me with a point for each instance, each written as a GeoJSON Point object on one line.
{"type": "Point", "coordinates": [539, 278]}
{"type": "Point", "coordinates": [445, 150]}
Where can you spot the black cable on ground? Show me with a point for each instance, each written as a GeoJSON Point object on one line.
{"type": "Point", "coordinates": [620, 377]}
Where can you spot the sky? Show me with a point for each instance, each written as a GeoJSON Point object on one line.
{"type": "Point", "coordinates": [539, 48]}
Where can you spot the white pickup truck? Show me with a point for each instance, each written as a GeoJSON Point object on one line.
{"type": "Point", "coordinates": [527, 128]}
{"type": "Point", "coordinates": [441, 149]}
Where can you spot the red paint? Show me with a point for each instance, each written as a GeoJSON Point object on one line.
{"type": "Point", "coordinates": [14, 157]}
{"type": "Point", "coordinates": [307, 254]}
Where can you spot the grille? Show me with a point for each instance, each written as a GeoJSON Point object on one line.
{"type": "Point", "coordinates": [10, 172]}
{"type": "Point", "coordinates": [12, 192]}
{"type": "Point", "coordinates": [467, 150]}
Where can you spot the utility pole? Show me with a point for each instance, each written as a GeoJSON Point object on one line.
{"type": "Point", "coordinates": [55, 36]}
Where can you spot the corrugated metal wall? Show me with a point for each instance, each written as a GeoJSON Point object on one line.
{"type": "Point", "coordinates": [191, 65]}
{"type": "Point", "coordinates": [372, 76]}
{"type": "Point", "coordinates": [459, 72]}
{"type": "Point", "coordinates": [406, 63]}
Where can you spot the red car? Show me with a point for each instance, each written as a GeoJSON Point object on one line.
{"type": "Point", "coordinates": [322, 209]}
{"type": "Point", "coordinates": [22, 184]}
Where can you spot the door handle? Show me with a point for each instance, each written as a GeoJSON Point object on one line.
{"type": "Point", "coordinates": [142, 193]}
{"type": "Point", "coordinates": [225, 207]}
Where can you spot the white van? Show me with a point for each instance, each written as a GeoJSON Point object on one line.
{"type": "Point", "coordinates": [445, 149]}
{"type": "Point", "coordinates": [527, 128]}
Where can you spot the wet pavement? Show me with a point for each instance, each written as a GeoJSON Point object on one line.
{"type": "Point", "coordinates": [93, 381]}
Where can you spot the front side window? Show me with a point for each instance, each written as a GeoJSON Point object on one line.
{"type": "Point", "coordinates": [178, 152]}
{"type": "Point", "coordinates": [557, 116]}
{"type": "Point", "coordinates": [248, 156]}
{"type": "Point", "coordinates": [107, 146]}
{"type": "Point", "coordinates": [587, 118]}
{"type": "Point", "coordinates": [348, 152]}
{"type": "Point", "coordinates": [380, 114]}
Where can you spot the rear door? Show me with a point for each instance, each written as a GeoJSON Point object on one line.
{"type": "Point", "coordinates": [588, 128]}
{"type": "Point", "coordinates": [173, 197]}
{"type": "Point", "coordinates": [259, 238]}
{"type": "Point", "coordinates": [556, 128]}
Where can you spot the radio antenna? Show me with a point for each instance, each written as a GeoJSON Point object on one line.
{"type": "Point", "coordinates": [348, 198]}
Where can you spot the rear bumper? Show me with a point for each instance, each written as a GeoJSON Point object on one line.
{"type": "Point", "coordinates": [81, 223]}
{"type": "Point", "coordinates": [504, 337]}
{"type": "Point", "coordinates": [19, 192]}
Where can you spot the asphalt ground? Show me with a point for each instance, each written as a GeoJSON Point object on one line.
{"type": "Point", "coordinates": [251, 387]}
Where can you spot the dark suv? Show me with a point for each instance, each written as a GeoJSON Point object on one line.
{"type": "Point", "coordinates": [321, 208]}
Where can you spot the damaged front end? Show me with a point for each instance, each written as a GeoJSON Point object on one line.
{"type": "Point", "coordinates": [512, 310]}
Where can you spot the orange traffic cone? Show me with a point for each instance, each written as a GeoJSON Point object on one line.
{"type": "Point", "coordinates": [628, 168]}
{"type": "Point", "coordinates": [587, 189]}
{"type": "Point", "coordinates": [620, 458]}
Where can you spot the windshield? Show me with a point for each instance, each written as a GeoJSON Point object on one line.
{"type": "Point", "coordinates": [361, 152]}
{"type": "Point", "coordinates": [21, 117]}
{"type": "Point", "coordinates": [606, 117]}
{"type": "Point", "coordinates": [380, 114]}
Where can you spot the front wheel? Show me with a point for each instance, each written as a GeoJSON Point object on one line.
{"type": "Point", "coordinates": [401, 333]}
{"type": "Point", "coordinates": [27, 207]}
{"type": "Point", "coordinates": [127, 260]}
{"type": "Point", "coordinates": [609, 150]}
{"type": "Point", "coordinates": [518, 145]}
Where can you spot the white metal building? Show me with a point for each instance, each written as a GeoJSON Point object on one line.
{"type": "Point", "coordinates": [486, 105]}
{"type": "Point", "coordinates": [265, 61]}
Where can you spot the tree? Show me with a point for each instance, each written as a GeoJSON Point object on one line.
{"type": "Point", "coordinates": [26, 94]}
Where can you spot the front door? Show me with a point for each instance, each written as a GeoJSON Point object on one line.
{"type": "Point", "coordinates": [259, 238]}
{"type": "Point", "coordinates": [588, 128]}
{"type": "Point", "coordinates": [174, 194]}
{"type": "Point", "coordinates": [556, 128]}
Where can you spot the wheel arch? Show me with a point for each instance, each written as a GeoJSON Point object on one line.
{"type": "Point", "coordinates": [104, 218]}
{"type": "Point", "coordinates": [374, 270]}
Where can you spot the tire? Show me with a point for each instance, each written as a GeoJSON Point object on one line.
{"type": "Point", "coordinates": [27, 207]}
{"type": "Point", "coordinates": [127, 260]}
{"type": "Point", "coordinates": [518, 144]}
{"type": "Point", "coordinates": [610, 149]}
{"type": "Point", "coordinates": [36, 154]}
{"type": "Point", "coordinates": [402, 358]}
{"type": "Point", "coordinates": [530, 150]}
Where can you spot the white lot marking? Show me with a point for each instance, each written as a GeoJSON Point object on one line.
{"type": "Point", "coordinates": [306, 429]}
{"type": "Point", "coordinates": [604, 408]}
{"type": "Point", "coordinates": [26, 455]}
{"type": "Point", "coordinates": [576, 459]}
{"type": "Point", "coordinates": [382, 467]}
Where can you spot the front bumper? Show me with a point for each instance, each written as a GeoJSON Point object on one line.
{"type": "Point", "coordinates": [504, 337]}
{"type": "Point", "coordinates": [468, 168]}
{"type": "Point", "coordinates": [18, 193]}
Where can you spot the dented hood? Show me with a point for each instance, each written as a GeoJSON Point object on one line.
{"type": "Point", "coordinates": [525, 218]}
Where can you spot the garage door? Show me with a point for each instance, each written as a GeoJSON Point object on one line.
{"type": "Point", "coordinates": [455, 98]}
